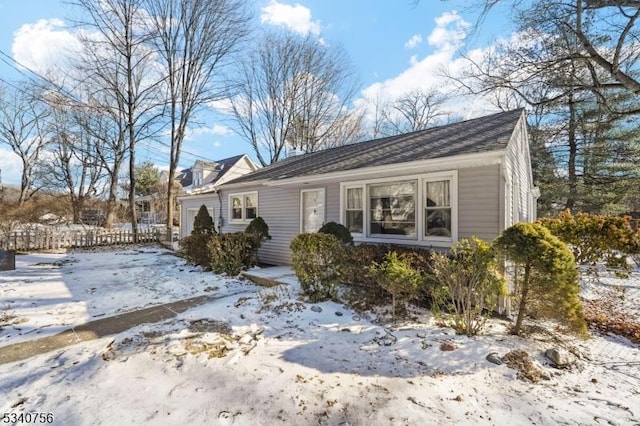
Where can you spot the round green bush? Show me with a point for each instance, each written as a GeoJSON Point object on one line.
{"type": "Point", "coordinates": [339, 231]}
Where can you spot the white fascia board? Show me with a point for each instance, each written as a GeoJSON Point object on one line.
{"type": "Point", "coordinates": [186, 197]}
{"type": "Point", "coordinates": [241, 185]}
{"type": "Point", "coordinates": [412, 167]}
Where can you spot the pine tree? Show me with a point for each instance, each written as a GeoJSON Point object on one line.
{"type": "Point", "coordinates": [203, 223]}
{"type": "Point", "coordinates": [546, 276]}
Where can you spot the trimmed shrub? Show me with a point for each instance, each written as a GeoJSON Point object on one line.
{"type": "Point", "coordinates": [466, 285]}
{"type": "Point", "coordinates": [397, 277]}
{"type": "Point", "coordinates": [195, 249]}
{"type": "Point", "coordinates": [259, 228]}
{"type": "Point", "coordinates": [339, 231]}
{"type": "Point", "coordinates": [545, 278]}
{"type": "Point", "coordinates": [203, 222]}
{"type": "Point", "coordinates": [596, 238]}
{"type": "Point", "coordinates": [316, 260]}
{"type": "Point", "coordinates": [231, 253]}
{"type": "Point", "coordinates": [363, 288]}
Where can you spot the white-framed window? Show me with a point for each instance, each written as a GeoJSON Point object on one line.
{"type": "Point", "coordinates": [438, 211]}
{"type": "Point", "coordinates": [243, 207]}
{"type": "Point", "coordinates": [392, 209]}
{"type": "Point", "coordinates": [197, 178]}
{"type": "Point", "coordinates": [420, 208]}
{"type": "Point", "coordinates": [354, 209]}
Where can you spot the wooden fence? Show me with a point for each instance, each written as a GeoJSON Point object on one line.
{"type": "Point", "coordinates": [49, 239]}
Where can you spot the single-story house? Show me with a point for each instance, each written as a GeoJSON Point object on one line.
{"type": "Point", "coordinates": [202, 180]}
{"type": "Point", "coordinates": [425, 188]}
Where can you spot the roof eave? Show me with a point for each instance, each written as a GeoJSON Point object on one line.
{"type": "Point", "coordinates": [451, 162]}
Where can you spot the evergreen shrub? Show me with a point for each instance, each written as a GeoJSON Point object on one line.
{"type": "Point", "coordinates": [232, 253]}
{"type": "Point", "coordinates": [339, 231]}
{"type": "Point", "coordinates": [195, 249]}
{"type": "Point", "coordinates": [203, 222]}
{"type": "Point", "coordinates": [396, 275]}
{"type": "Point", "coordinates": [545, 275]}
{"type": "Point", "coordinates": [596, 238]}
{"type": "Point", "coordinates": [316, 260]}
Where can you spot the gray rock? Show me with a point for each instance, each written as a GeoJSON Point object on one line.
{"type": "Point", "coordinates": [355, 318]}
{"type": "Point", "coordinates": [339, 314]}
{"type": "Point", "coordinates": [316, 308]}
{"type": "Point", "coordinates": [494, 358]}
{"type": "Point", "coordinates": [559, 358]}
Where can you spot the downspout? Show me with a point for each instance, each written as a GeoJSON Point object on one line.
{"type": "Point", "coordinates": [220, 210]}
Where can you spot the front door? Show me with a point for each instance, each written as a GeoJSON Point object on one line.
{"type": "Point", "coordinates": [312, 209]}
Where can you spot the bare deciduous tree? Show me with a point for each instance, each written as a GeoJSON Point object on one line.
{"type": "Point", "coordinates": [540, 68]}
{"type": "Point", "coordinates": [415, 110]}
{"type": "Point", "coordinates": [121, 68]}
{"type": "Point", "coordinates": [295, 93]}
{"type": "Point", "coordinates": [604, 36]}
{"type": "Point", "coordinates": [72, 162]}
{"type": "Point", "coordinates": [23, 118]}
{"type": "Point", "coordinates": [101, 120]}
{"type": "Point", "coordinates": [195, 40]}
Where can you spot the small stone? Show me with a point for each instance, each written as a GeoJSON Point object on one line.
{"type": "Point", "coordinates": [594, 380]}
{"type": "Point", "coordinates": [316, 308]}
{"type": "Point", "coordinates": [559, 357]}
{"type": "Point", "coordinates": [447, 346]}
{"type": "Point", "coordinates": [355, 318]}
{"type": "Point", "coordinates": [494, 358]}
{"type": "Point", "coordinates": [339, 314]}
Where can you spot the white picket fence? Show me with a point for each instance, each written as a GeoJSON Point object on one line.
{"type": "Point", "coordinates": [50, 239]}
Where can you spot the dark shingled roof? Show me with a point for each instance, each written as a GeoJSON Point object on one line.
{"type": "Point", "coordinates": [489, 133]}
{"type": "Point", "coordinates": [185, 177]}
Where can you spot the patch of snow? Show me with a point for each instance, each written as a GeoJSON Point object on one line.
{"type": "Point", "coordinates": [263, 356]}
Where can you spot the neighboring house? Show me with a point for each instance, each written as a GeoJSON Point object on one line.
{"type": "Point", "coordinates": [200, 184]}
{"type": "Point", "coordinates": [426, 188]}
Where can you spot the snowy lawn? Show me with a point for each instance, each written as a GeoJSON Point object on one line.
{"type": "Point", "coordinates": [262, 356]}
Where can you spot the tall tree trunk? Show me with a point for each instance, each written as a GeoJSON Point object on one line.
{"type": "Point", "coordinates": [573, 152]}
{"type": "Point", "coordinates": [111, 204]}
{"type": "Point", "coordinates": [523, 301]}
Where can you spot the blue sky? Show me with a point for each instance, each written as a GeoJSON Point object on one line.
{"type": "Point", "coordinates": [395, 45]}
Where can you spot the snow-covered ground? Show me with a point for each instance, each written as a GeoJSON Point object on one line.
{"type": "Point", "coordinates": [261, 356]}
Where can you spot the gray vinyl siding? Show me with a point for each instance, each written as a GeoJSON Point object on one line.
{"type": "Point", "coordinates": [518, 170]}
{"type": "Point", "coordinates": [478, 207]}
{"type": "Point", "coordinates": [333, 202]}
{"type": "Point", "coordinates": [479, 202]}
{"type": "Point", "coordinates": [280, 209]}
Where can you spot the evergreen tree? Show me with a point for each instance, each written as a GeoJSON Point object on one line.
{"type": "Point", "coordinates": [545, 275]}
{"type": "Point", "coordinates": [203, 223]}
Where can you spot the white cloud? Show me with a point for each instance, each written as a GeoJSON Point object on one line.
{"type": "Point", "coordinates": [216, 129]}
{"type": "Point", "coordinates": [427, 72]}
{"type": "Point", "coordinates": [414, 41]}
{"type": "Point", "coordinates": [43, 46]}
{"type": "Point", "coordinates": [11, 167]}
{"type": "Point", "coordinates": [295, 17]}
{"type": "Point", "coordinates": [450, 31]}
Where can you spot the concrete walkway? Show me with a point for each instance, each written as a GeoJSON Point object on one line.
{"type": "Point", "coordinates": [99, 328]}
{"type": "Point", "coordinates": [116, 324]}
